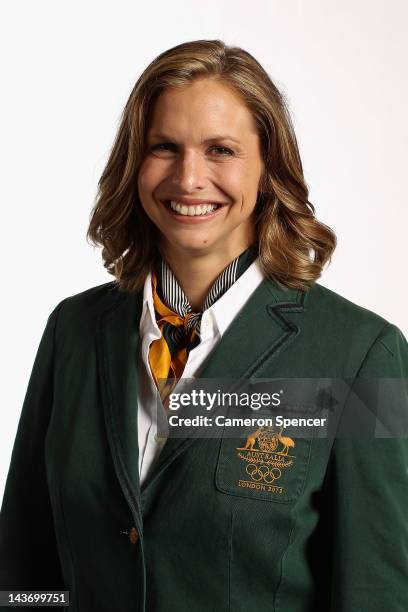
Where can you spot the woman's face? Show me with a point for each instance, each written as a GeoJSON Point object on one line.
{"type": "Point", "coordinates": [202, 148]}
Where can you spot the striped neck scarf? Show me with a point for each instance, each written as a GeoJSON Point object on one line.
{"type": "Point", "coordinates": [179, 325]}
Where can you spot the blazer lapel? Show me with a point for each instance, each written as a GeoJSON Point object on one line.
{"type": "Point", "coordinates": [262, 329]}
{"type": "Point", "coordinates": [118, 346]}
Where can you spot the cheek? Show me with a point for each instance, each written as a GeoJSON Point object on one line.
{"type": "Point", "coordinates": [145, 187]}
{"type": "Point", "coordinates": [238, 181]}
{"type": "Point", "coordinates": [144, 180]}
{"type": "Point", "coordinates": [230, 177]}
{"type": "Point", "coordinates": [150, 175]}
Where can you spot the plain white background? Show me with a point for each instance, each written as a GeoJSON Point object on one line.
{"type": "Point", "coordinates": [68, 69]}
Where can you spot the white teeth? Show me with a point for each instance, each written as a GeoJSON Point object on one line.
{"type": "Point", "coordinates": [192, 211]}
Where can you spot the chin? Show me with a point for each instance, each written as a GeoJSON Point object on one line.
{"type": "Point", "coordinates": [192, 243]}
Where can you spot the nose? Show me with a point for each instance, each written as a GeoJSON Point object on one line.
{"type": "Point", "coordinates": [190, 172]}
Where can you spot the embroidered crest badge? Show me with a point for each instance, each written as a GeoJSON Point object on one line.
{"type": "Point", "coordinates": [267, 454]}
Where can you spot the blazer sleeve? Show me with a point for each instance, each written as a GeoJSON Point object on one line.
{"type": "Point", "coordinates": [28, 551]}
{"type": "Point", "coordinates": [368, 482]}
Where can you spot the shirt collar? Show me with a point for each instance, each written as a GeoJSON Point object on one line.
{"type": "Point", "coordinates": [173, 295]}
{"type": "Point", "coordinates": [223, 311]}
{"type": "Point", "coordinates": [230, 303]}
{"type": "Point", "coordinates": [148, 317]}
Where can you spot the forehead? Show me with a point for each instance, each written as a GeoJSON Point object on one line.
{"type": "Point", "coordinates": [203, 103]}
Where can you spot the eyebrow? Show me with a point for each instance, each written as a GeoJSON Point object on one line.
{"type": "Point", "coordinates": [207, 140]}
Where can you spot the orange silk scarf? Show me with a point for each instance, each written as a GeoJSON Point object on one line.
{"type": "Point", "coordinates": [165, 367]}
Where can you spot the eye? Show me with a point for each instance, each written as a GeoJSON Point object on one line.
{"type": "Point", "coordinates": [161, 146]}
{"type": "Point", "coordinates": [225, 150]}
{"type": "Point", "coordinates": [169, 146]}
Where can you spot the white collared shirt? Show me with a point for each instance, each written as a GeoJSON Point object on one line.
{"type": "Point", "coordinates": [214, 322]}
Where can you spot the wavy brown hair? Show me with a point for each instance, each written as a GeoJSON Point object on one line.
{"type": "Point", "coordinates": [293, 245]}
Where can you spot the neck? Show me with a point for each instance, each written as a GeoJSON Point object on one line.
{"type": "Point", "coordinates": [197, 273]}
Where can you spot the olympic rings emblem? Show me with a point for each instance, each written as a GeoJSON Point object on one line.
{"type": "Point", "coordinates": [263, 472]}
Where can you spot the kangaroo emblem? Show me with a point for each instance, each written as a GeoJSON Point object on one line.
{"type": "Point", "coordinates": [249, 445]}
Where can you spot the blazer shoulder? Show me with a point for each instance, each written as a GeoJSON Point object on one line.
{"type": "Point", "coordinates": [93, 295]}
{"type": "Point", "coordinates": [320, 299]}
{"type": "Point", "coordinates": [353, 331]}
{"type": "Point", "coordinates": [335, 314]}
{"type": "Point", "coordinates": [88, 304]}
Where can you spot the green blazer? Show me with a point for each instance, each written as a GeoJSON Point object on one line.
{"type": "Point", "coordinates": [74, 516]}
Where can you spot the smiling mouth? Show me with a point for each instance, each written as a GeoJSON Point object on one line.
{"type": "Point", "coordinates": [182, 210]}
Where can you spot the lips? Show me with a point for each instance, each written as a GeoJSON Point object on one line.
{"type": "Point", "coordinates": [193, 201]}
{"type": "Point", "coordinates": [187, 218]}
{"type": "Point", "coordinates": [203, 209]}
{"type": "Point", "coordinates": [180, 203]}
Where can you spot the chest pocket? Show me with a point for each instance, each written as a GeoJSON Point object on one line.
{"type": "Point", "coordinates": [268, 465]}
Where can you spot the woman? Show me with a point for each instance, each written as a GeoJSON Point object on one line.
{"type": "Point", "coordinates": [205, 223]}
